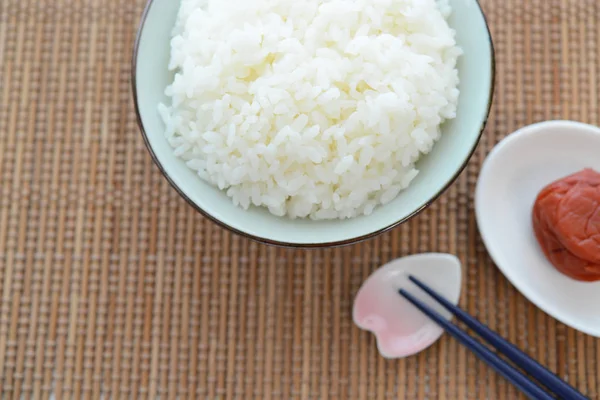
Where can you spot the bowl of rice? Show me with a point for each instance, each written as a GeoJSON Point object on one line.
{"type": "Point", "coordinates": [314, 123]}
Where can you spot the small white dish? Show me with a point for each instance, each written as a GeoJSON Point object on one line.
{"type": "Point", "coordinates": [511, 177]}
{"type": "Point", "coordinates": [400, 328]}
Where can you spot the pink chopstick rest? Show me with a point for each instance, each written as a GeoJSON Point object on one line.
{"type": "Point", "coordinates": [399, 328]}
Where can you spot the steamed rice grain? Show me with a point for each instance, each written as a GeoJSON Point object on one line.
{"type": "Point", "coordinates": [317, 108]}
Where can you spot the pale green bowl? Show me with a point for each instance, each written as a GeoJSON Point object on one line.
{"type": "Point", "coordinates": [437, 170]}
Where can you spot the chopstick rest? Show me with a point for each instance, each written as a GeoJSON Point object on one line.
{"type": "Point", "coordinates": [399, 328]}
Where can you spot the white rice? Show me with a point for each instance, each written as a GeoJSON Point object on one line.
{"type": "Point", "coordinates": [311, 108]}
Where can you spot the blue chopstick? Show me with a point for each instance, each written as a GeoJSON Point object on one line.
{"type": "Point", "coordinates": [528, 364]}
{"type": "Point", "coordinates": [520, 381]}
{"type": "Point", "coordinates": [535, 369]}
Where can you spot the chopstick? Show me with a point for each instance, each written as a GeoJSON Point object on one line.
{"type": "Point", "coordinates": [513, 353]}
{"type": "Point", "coordinates": [521, 381]}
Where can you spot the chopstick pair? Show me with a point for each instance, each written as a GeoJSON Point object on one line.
{"type": "Point", "coordinates": [530, 388]}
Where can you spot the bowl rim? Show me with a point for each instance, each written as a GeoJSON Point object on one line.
{"type": "Point", "coordinates": [284, 244]}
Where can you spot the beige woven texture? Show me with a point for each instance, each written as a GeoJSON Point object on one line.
{"type": "Point", "coordinates": [111, 285]}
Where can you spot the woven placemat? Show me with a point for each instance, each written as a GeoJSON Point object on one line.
{"type": "Point", "coordinates": [111, 285]}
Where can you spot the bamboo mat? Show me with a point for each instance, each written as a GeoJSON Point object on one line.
{"type": "Point", "coordinates": [112, 286]}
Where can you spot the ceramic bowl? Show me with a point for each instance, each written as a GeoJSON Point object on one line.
{"type": "Point", "coordinates": [511, 177]}
{"type": "Point", "coordinates": [437, 170]}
